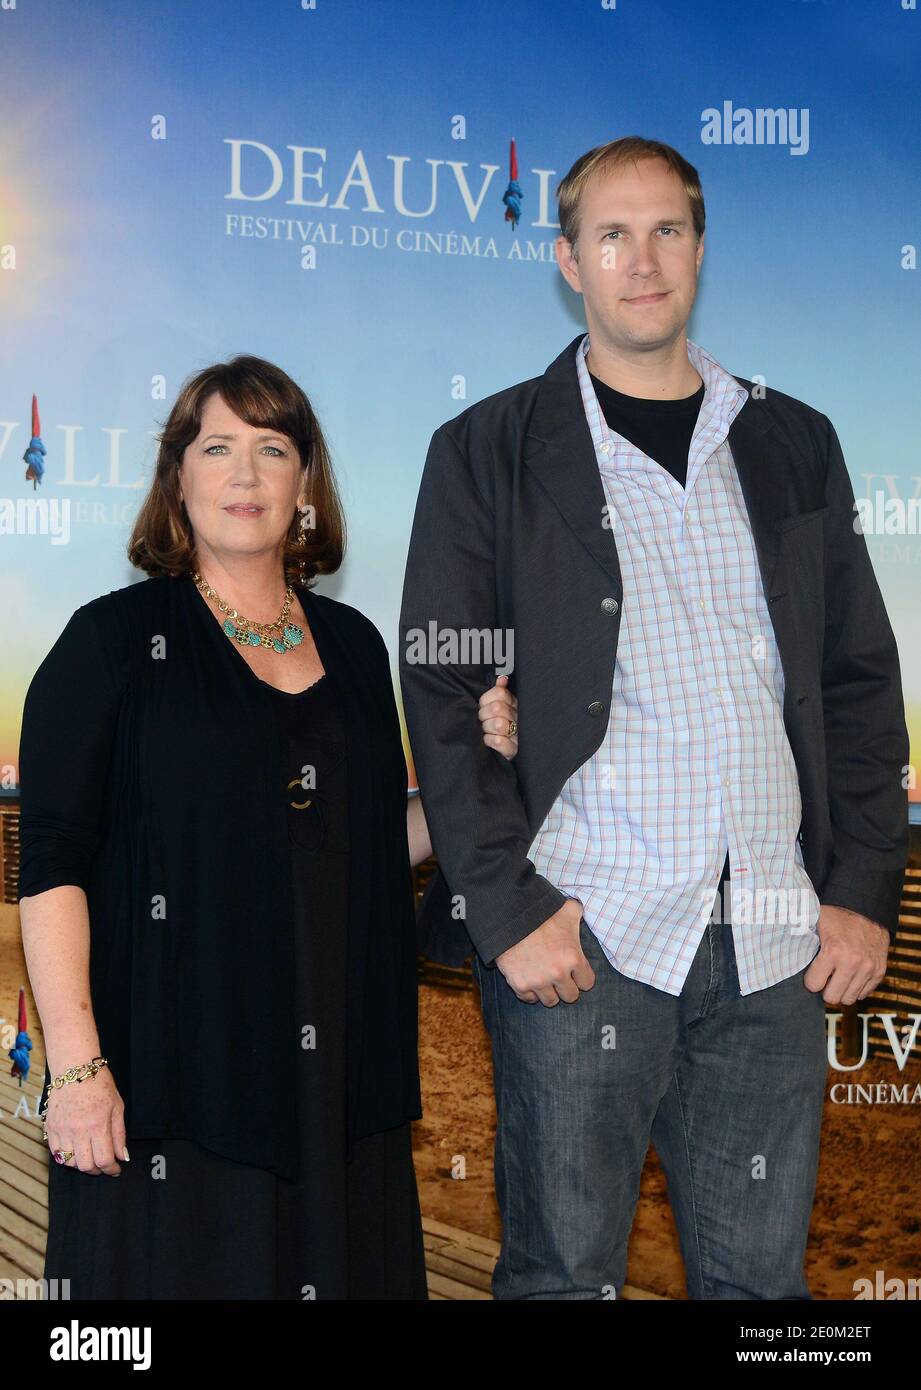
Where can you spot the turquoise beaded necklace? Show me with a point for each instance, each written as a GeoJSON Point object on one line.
{"type": "Point", "coordinates": [280, 636]}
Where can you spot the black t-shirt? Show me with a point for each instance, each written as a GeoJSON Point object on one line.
{"type": "Point", "coordinates": [662, 429]}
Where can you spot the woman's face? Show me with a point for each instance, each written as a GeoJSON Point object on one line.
{"type": "Point", "coordinates": [240, 484]}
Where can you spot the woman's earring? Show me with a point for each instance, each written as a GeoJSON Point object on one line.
{"type": "Point", "coordinates": [301, 541]}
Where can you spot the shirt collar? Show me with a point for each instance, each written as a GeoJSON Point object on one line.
{"type": "Point", "coordinates": [723, 397]}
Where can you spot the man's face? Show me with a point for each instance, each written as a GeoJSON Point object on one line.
{"type": "Point", "coordinates": [636, 257]}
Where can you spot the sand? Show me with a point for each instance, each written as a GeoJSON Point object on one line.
{"type": "Point", "coordinates": [867, 1214]}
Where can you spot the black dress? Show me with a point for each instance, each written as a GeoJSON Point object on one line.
{"type": "Point", "coordinates": [184, 1223]}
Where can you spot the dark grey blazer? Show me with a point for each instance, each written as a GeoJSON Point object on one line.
{"type": "Point", "coordinates": [508, 534]}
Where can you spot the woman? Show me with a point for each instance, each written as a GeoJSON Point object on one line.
{"type": "Point", "coordinates": [215, 888]}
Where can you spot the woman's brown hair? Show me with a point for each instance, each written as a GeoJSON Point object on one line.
{"type": "Point", "coordinates": [260, 393]}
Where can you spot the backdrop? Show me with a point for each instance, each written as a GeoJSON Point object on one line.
{"type": "Point", "coordinates": [321, 184]}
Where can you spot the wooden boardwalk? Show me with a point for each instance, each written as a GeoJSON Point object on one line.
{"type": "Point", "coordinates": [23, 1177]}
{"type": "Point", "coordinates": [900, 990]}
{"type": "Point", "coordinates": [458, 1264]}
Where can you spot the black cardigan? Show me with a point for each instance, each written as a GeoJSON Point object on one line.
{"type": "Point", "coordinates": [149, 765]}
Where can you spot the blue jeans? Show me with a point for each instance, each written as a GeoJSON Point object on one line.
{"type": "Point", "coordinates": [729, 1088]}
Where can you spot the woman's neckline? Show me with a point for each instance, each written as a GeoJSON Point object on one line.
{"type": "Point", "coordinates": [235, 656]}
{"type": "Point", "coordinates": [293, 694]}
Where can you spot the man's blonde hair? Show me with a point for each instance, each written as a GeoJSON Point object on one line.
{"type": "Point", "coordinates": [613, 155]}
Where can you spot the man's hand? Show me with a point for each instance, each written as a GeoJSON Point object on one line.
{"type": "Point", "coordinates": [852, 956]}
{"type": "Point", "coordinates": [496, 708]}
{"type": "Point", "coordinates": [549, 964]}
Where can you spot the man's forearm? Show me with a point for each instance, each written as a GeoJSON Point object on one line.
{"type": "Point", "coordinates": [866, 740]}
{"type": "Point", "coordinates": [474, 811]}
{"type": "Point", "coordinates": [473, 805]}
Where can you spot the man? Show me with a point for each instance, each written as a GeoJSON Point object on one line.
{"type": "Point", "coordinates": [706, 677]}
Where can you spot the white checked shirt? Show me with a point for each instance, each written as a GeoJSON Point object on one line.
{"type": "Point", "coordinates": [695, 757]}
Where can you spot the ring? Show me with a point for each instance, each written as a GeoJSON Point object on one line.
{"type": "Point", "coordinates": [512, 727]}
{"type": "Point", "coordinates": [61, 1157]}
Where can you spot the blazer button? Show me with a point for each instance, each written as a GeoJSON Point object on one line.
{"type": "Point", "coordinates": [609, 605]}
{"type": "Point", "coordinates": [596, 707]}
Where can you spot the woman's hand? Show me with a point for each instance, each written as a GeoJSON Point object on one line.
{"type": "Point", "coordinates": [88, 1117]}
{"type": "Point", "coordinates": [497, 706]}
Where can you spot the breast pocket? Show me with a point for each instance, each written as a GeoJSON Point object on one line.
{"type": "Point", "coordinates": [802, 546]}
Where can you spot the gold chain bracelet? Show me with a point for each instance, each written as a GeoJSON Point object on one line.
{"type": "Point", "coordinates": [80, 1073]}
